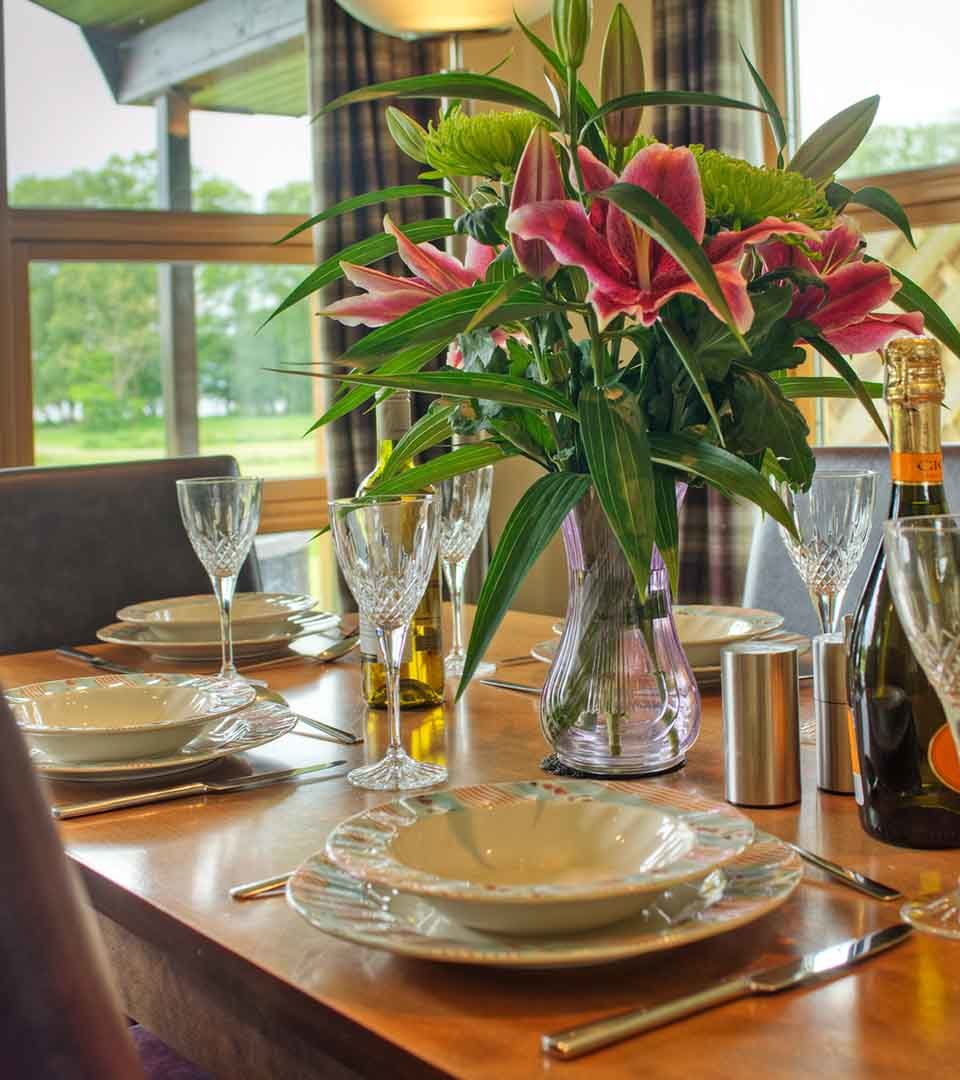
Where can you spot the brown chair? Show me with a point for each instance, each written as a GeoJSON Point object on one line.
{"type": "Point", "coordinates": [78, 543]}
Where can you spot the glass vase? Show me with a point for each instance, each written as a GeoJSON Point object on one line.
{"type": "Point", "coordinates": [620, 697]}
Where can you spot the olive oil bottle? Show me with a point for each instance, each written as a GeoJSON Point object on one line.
{"type": "Point", "coordinates": [906, 775]}
{"type": "Point", "coordinates": [421, 670]}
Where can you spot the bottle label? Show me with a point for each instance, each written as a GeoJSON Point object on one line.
{"type": "Point", "coordinates": [854, 759]}
{"type": "Point", "coordinates": [942, 755]}
{"type": "Point", "coordinates": [910, 468]}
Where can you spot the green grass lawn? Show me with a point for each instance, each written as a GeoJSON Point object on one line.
{"type": "Point", "coordinates": [264, 445]}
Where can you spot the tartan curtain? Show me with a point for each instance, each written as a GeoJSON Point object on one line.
{"type": "Point", "coordinates": [696, 48]}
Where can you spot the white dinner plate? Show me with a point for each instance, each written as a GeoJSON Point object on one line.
{"type": "Point", "coordinates": [197, 617]}
{"type": "Point", "coordinates": [757, 882]}
{"type": "Point", "coordinates": [253, 726]}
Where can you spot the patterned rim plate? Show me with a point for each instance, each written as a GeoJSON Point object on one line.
{"type": "Point", "coordinates": [363, 845]}
{"type": "Point", "coordinates": [254, 647]}
{"type": "Point", "coordinates": [755, 883]}
{"type": "Point", "coordinates": [251, 727]}
{"type": "Point", "coordinates": [202, 609]}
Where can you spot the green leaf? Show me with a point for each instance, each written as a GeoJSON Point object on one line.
{"type": "Point", "coordinates": [910, 297]}
{"type": "Point", "coordinates": [460, 384]}
{"type": "Point", "coordinates": [884, 204]}
{"type": "Point", "coordinates": [668, 97]}
{"type": "Point", "coordinates": [804, 386]}
{"type": "Point", "coordinates": [507, 290]}
{"type": "Point", "coordinates": [363, 252]}
{"type": "Point", "coordinates": [690, 360]}
{"type": "Point", "coordinates": [462, 460]}
{"type": "Point", "coordinates": [428, 431]}
{"type": "Point", "coordinates": [844, 369]}
{"type": "Point", "coordinates": [763, 419]}
{"type": "Point", "coordinates": [670, 232]}
{"type": "Point", "coordinates": [454, 84]}
{"type": "Point", "coordinates": [404, 191]}
{"type": "Point", "coordinates": [720, 469]}
{"type": "Point", "coordinates": [829, 147]}
{"type": "Point", "coordinates": [530, 527]}
{"type": "Point", "coordinates": [667, 533]}
{"type": "Point", "coordinates": [445, 316]}
{"type": "Point", "coordinates": [837, 195]}
{"type": "Point", "coordinates": [618, 453]}
{"type": "Point", "coordinates": [775, 117]}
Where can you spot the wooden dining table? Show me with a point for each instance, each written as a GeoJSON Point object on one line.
{"type": "Point", "coordinates": [250, 990]}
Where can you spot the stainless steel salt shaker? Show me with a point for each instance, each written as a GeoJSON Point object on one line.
{"type": "Point", "coordinates": [834, 767]}
{"type": "Point", "coordinates": [761, 724]}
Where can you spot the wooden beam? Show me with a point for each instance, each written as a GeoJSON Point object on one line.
{"type": "Point", "coordinates": [211, 35]}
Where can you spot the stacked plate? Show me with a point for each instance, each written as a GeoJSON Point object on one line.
{"type": "Point", "coordinates": [187, 628]}
{"type": "Point", "coordinates": [542, 873]}
{"type": "Point", "coordinates": [141, 726]}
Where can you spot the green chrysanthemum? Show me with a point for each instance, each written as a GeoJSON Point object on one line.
{"type": "Point", "coordinates": [636, 144]}
{"type": "Point", "coordinates": [738, 194]}
{"type": "Point", "coordinates": [488, 144]}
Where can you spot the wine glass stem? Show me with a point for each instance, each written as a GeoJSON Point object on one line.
{"type": "Point", "coordinates": [828, 610]}
{"type": "Point", "coordinates": [455, 572]}
{"type": "Point", "coordinates": [391, 645]}
{"type": "Point", "coordinates": [223, 588]}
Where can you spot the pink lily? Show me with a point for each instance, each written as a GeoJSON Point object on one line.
{"type": "Point", "coordinates": [843, 308]}
{"type": "Point", "coordinates": [629, 272]}
{"type": "Point", "coordinates": [538, 179]}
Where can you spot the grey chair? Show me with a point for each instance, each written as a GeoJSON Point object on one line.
{"type": "Point", "coordinates": [79, 542]}
{"type": "Point", "coordinates": [772, 582]}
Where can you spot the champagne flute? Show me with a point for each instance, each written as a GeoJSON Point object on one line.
{"type": "Point", "coordinates": [923, 560]}
{"type": "Point", "coordinates": [464, 506]}
{"type": "Point", "coordinates": [387, 550]}
{"type": "Point", "coordinates": [832, 519]}
{"type": "Point", "coordinates": [221, 514]}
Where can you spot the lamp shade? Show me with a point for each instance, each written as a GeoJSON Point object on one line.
{"type": "Point", "coordinates": [412, 19]}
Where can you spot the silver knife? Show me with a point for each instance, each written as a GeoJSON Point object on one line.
{"type": "Point", "coordinates": [853, 878]}
{"type": "Point", "coordinates": [183, 791]}
{"type": "Point", "coordinates": [811, 967]}
{"type": "Point", "coordinates": [95, 661]}
{"type": "Point", "coordinates": [501, 685]}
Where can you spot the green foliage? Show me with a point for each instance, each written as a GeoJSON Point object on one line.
{"type": "Point", "coordinates": [486, 144]}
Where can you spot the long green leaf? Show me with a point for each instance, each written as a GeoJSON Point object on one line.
{"type": "Point", "coordinates": [431, 429]}
{"type": "Point", "coordinates": [669, 97]}
{"type": "Point", "coordinates": [670, 232]}
{"type": "Point", "coordinates": [504, 293]}
{"type": "Point", "coordinates": [884, 204]}
{"type": "Point", "coordinates": [772, 109]}
{"type": "Point", "coordinates": [445, 316]}
{"type": "Point", "coordinates": [618, 454]}
{"type": "Point", "coordinates": [459, 384]}
{"type": "Point", "coordinates": [667, 533]}
{"type": "Point", "coordinates": [363, 252]}
{"type": "Point", "coordinates": [530, 527]}
{"type": "Point", "coordinates": [687, 354]}
{"type": "Point", "coordinates": [834, 142]}
{"type": "Point", "coordinates": [910, 297]}
{"type": "Point", "coordinates": [804, 386]}
{"type": "Point", "coordinates": [720, 469]}
{"type": "Point", "coordinates": [370, 198]}
{"type": "Point", "coordinates": [844, 369]}
{"type": "Point", "coordinates": [462, 460]}
{"type": "Point", "coordinates": [454, 84]}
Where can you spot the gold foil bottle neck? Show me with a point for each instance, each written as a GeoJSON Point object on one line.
{"type": "Point", "coordinates": [913, 371]}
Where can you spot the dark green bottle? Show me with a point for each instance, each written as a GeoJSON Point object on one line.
{"type": "Point", "coordinates": [908, 790]}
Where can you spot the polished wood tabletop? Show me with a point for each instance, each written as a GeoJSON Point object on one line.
{"type": "Point", "coordinates": [251, 990]}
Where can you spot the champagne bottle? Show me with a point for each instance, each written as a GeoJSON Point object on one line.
{"type": "Point", "coordinates": [906, 774]}
{"type": "Point", "coordinates": [421, 670]}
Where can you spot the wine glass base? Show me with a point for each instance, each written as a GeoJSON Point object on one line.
{"type": "Point", "coordinates": [453, 668]}
{"type": "Point", "coordinates": [940, 916]}
{"type": "Point", "coordinates": [397, 771]}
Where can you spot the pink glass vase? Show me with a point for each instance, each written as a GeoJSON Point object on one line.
{"type": "Point", "coordinates": [620, 697]}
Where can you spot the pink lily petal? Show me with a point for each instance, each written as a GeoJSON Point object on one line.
{"type": "Point", "coordinates": [437, 268]}
{"type": "Point", "coordinates": [874, 331]}
{"type": "Point", "coordinates": [855, 290]}
{"type": "Point", "coordinates": [780, 256]}
{"type": "Point", "coordinates": [373, 309]}
{"type": "Point", "coordinates": [596, 175]}
{"type": "Point", "coordinates": [538, 180]}
{"type": "Point", "coordinates": [727, 246]}
{"type": "Point", "coordinates": [837, 246]}
{"type": "Point", "coordinates": [479, 257]}
{"type": "Point", "coordinates": [376, 281]}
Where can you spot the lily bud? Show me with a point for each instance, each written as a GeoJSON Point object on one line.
{"type": "Point", "coordinates": [538, 179]}
{"type": "Point", "coordinates": [572, 24]}
{"type": "Point", "coordinates": [407, 134]}
{"type": "Point", "coordinates": [621, 73]}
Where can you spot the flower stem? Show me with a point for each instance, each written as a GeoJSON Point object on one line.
{"type": "Point", "coordinates": [572, 116]}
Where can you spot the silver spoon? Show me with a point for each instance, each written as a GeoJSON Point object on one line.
{"type": "Point", "coordinates": [305, 648]}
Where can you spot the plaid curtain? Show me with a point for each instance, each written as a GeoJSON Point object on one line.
{"type": "Point", "coordinates": [696, 48]}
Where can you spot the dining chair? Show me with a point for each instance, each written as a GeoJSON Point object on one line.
{"type": "Point", "coordinates": [79, 542]}
{"type": "Point", "coordinates": [773, 583]}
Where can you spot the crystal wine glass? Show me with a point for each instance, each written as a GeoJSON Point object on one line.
{"type": "Point", "coordinates": [923, 560]}
{"type": "Point", "coordinates": [465, 503]}
{"type": "Point", "coordinates": [832, 519]}
{"type": "Point", "coordinates": [387, 549]}
{"type": "Point", "coordinates": [221, 514]}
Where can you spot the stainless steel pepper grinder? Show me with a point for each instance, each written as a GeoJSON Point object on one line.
{"type": "Point", "coordinates": [834, 767]}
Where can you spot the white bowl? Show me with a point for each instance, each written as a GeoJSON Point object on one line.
{"type": "Point", "coordinates": [196, 618]}
{"type": "Point", "coordinates": [539, 857]}
{"type": "Point", "coordinates": [122, 717]}
{"type": "Point", "coordinates": [705, 629]}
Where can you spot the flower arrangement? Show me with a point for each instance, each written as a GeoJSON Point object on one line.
{"type": "Point", "coordinates": [628, 313]}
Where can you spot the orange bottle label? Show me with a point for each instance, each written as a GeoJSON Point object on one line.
{"type": "Point", "coordinates": [909, 468]}
{"type": "Point", "coordinates": [854, 756]}
{"type": "Point", "coordinates": [942, 755]}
